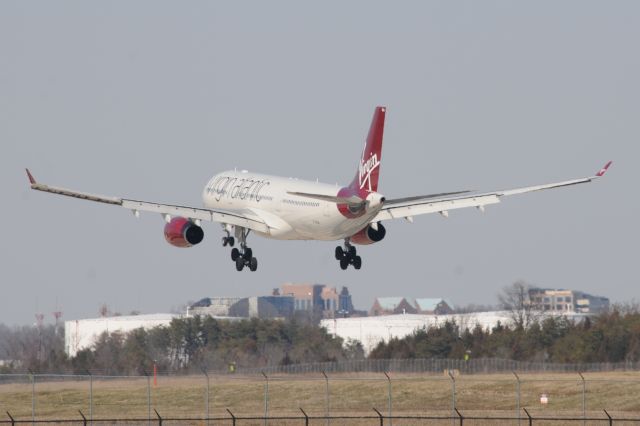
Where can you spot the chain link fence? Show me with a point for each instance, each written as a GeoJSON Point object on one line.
{"type": "Point", "coordinates": [408, 391]}
{"type": "Point", "coordinates": [472, 366]}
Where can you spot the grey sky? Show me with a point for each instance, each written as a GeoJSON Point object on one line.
{"type": "Point", "coordinates": [149, 99]}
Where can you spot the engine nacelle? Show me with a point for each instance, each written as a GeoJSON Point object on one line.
{"type": "Point", "coordinates": [181, 232]}
{"type": "Point", "coordinates": [369, 235]}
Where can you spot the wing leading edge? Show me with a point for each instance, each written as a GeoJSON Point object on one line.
{"type": "Point", "coordinates": [409, 207]}
{"type": "Point", "coordinates": [167, 210]}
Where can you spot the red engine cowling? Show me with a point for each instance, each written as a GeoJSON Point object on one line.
{"type": "Point", "coordinates": [181, 232]}
{"type": "Point", "coordinates": [369, 235]}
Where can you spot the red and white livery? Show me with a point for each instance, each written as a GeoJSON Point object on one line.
{"type": "Point", "coordinates": [292, 209]}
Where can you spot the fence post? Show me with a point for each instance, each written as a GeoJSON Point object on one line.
{"type": "Point", "coordinates": [605, 411]}
{"type": "Point", "coordinates": [266, 398]}
{"type": "Point", "coordinates": [326, 394]}
{"type": "Point", "coordinates": [84, 419]}
{"type": "Point", "coordinates": [306, 418]}
{"type": "Point", "coordinates": [204, 370]}
{"type": "Point", "coordinates": [584, 399]}
{"type": "Point", "coordinates": [90, 396]}
{"type": "Point", "coordinates": [389, 392]}
{"type": "Point", "coordinates": [33, 396]}
{"type": "Point", "coordinates": [517, 396]}
{"type": "Point", "coordinates": [460, 415]}
{"type": "Point", "coordinates": [148, 397]}
{"type": "Point", "coordinates": [159, 418]}
{"type": "Point", "coordinates": [453, 394]}
{"type": "Point", "coordinates": [233, 418]}
{"type": "Point", "coordinates": [380, 416]}
{"type": "Point", "coordinates": [13, 421]}
{"type": "Point", "coordinates": [529, 415]}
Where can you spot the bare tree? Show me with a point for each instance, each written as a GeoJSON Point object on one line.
{"type": "Point", "coordinates": [515, 299]}
{"type": "Point", "coordinates": [104, 310]}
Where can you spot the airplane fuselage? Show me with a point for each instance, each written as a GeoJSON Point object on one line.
{"type": "Point", "coordinates": [290, 217]}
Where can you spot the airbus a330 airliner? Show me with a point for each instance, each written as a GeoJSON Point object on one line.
{"type": "Point", "coordinates": [291, 209]}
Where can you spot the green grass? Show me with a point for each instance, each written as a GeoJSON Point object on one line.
{"type": "Point", "coordinates": [348, 394]}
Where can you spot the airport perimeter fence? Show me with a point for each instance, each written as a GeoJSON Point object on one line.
{"type": "Point", "coordinates": [305, 419]}
{"type": "Point", "coordinates": [432, 365]}
{"type": "Point", "coordinates": [327, 397]}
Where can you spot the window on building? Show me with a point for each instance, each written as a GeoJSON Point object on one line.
{"type": "Point", "coordinates": [558, 307]}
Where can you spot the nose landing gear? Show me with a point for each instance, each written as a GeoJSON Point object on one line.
{"type": "Point", "coordinates": [348, 256]}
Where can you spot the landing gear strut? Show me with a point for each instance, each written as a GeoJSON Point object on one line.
{"type": "Point", "coordinates": [244, 255]}
{"type": "Point", "coordinates": [348, 256]}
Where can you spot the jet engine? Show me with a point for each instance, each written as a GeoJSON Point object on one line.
{"type": "Point", "coordinates": [181, 232]}
{"type": "Point", "coordinates": [372, 233]}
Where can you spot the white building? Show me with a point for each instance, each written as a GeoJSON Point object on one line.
{"type": "Point", "coordinates": [372, 330]}
{"type": "Point", "coordinates": [84, 333]}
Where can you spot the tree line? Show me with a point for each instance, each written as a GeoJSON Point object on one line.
{"type": "Point", "coordinates": [185, 345]}
{"type": "Point", "coordinates": [609, 337]}
{"type": "Point", "coordinates": [188, 344]}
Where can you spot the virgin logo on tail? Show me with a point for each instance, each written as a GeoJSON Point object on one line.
{"type": "Point", "coordinates": [366, 178]}
{"type": "Point", "coordinates": [365, 169]}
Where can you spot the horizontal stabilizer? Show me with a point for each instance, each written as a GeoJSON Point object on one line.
{"type": "Point", "coordinates": [425, 197]}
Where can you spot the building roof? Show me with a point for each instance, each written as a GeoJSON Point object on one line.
{"type": "Point", "coordinates": [389, 303]}
{"type": "Point", "coordinates": [130, 318]}
{"type": "Point", "coordinates": [430, 304]}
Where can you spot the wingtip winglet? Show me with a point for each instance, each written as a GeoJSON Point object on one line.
{"type": "Point", "coordinates": [604, 169]}
{"type": "Point", "coordinates": [32, 181]}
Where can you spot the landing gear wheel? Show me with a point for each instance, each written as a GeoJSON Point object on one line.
{"type": "Point", "coordinates": [239, 264]}
{"type": "Point", "coordinates": [225, 241]}
{"type": "Point", "coordinates": [357, 262]}
{"type": "Point", "coordinates": [339, 253]}
{"type": "Point", "coordinates": [344, 263]}
{"type": "Point", "coordinates": [235, 254]}
{"type": "Point", "coordinates": [248, 254]}
{"type": "Point", "coordinates": [231, 241]}
{"type": "Point", "coordinates": [352, 251]}
{"type": "Point", "coordinates": [253, 264]}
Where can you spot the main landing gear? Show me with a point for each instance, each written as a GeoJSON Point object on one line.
{"type": "Point", "coordinates": [244, 255]}
{"type": "Point", "coordinates": [348, 256]}
{"type": "Point", "coordinates": [228, 240]}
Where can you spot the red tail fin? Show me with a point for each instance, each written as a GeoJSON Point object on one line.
{"type": "Point", "coordinates": [366, 179]}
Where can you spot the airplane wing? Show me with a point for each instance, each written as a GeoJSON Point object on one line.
{"type": "Point", "coordinates": [412, 206]}
{"type": "Point", "coordinates": [249, 221]}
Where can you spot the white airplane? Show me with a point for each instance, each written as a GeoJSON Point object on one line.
{"type": "Point", "coordinates": [292, 209]}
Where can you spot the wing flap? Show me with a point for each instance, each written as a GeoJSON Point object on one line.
{"type": "Point", "coordinates": [249, 221]}
{"type": "Point", "coordinates": [253, 222]}
{"type": "Point", "coordinates": [417, 208]}
{"type": "Point", "coordinates": [411, 206]}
